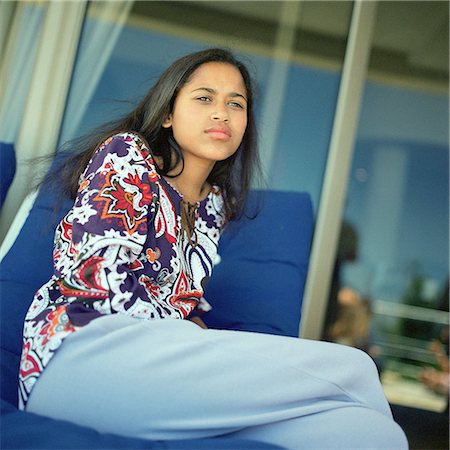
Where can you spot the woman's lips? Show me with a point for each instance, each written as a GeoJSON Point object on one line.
{"type": "Point", "coordinates": [222, 133]}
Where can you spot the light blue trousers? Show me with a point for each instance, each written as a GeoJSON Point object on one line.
{"type": "Point", "coordinates": [170, 379]}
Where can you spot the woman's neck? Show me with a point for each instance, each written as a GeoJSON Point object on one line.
{"type": "Point", "coordinates": [192, 183]}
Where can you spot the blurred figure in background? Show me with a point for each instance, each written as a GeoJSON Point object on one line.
{"type": "Point", "coordinates": [347, 252]}
{"type": "Point", "coordinates": [353, 324]}
{"type": "Point", "coordinates": [438, 378]}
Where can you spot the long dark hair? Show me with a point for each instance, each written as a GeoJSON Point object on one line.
{"type": "Point", "coordinates": [233, 175]}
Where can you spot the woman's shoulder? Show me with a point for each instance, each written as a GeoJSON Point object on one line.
{"type": "Point", "coordinates": [128, 140]}
{"type": "Point", "coordinates": [122, 153]}
{"type": "Point", "coordinates": [129, 145]}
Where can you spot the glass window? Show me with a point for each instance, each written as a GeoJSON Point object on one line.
{"type": "Point", "coordinates": [295, 49]}
{"type": "Point", "coordinates": [390, 284]}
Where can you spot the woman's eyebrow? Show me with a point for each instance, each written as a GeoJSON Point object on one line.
{"type": "Point", "coordinates": [213, 91]}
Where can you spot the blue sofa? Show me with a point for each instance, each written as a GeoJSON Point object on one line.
{"type": "Point", "coordinates": [257, 286]}
{"type": "Point", "coordinates": [7, 168]}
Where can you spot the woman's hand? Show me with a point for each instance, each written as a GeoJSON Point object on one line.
{"type": "Point", "coordinates": [199, 322]}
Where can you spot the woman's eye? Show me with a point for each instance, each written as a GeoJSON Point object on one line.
{"type": "Point", "coordinates": [236, 105]}
{"type": "Point", "coordinates": [204, 99]}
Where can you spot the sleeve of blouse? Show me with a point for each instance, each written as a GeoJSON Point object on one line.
{"type": "Point", "coordinates": [116, 200]}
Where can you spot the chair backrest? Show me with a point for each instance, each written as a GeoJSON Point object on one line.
{"type": "Point", "coordinates": [7, 168]}
{"type": "Point", "coordinates": [24, 268]}
{"type": "Point", "coordinates": [27, 266]}
{"type": "Point", "coordinates": [259, 282]}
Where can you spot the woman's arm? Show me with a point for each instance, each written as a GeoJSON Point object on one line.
{"type": "Point", "coordinates": [115, 203]}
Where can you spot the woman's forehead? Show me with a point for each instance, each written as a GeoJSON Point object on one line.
{"type": "Point", "coordinates": [217, 75]}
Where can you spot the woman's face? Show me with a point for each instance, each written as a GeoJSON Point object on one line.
{"type": "Point", "coordinates": [209, 116]}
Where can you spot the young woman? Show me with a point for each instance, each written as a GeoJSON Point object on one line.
{"type": "Point", "coordinates": [105, 343]}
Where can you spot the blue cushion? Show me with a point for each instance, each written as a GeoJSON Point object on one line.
{"type": "Point", "coordinates": [9, 364]}
{"type": "Point", "coordinates": [258, 285]}
{"type": "Point", "coordinates": [7, 168]}
{"type": "Point", "coordinates": [26, 267]}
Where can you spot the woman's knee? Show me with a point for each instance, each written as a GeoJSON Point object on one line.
{"type": "Point", "coordinates": [349, 362]}
{"type": "Point", "coordinates": [361, 363]}
{"type": "Point", "coordinates": [346, 428]}
{"type": "Point", "coordinates": [357, 375]}
{"type": "Point", "coordinates": [367, 428]}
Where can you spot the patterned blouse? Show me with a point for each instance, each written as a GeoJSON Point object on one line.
{"type": "Point", "coordinates": [120, 249]}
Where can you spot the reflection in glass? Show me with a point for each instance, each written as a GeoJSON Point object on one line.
{"type": "Point", "coordinates": [398, 203]}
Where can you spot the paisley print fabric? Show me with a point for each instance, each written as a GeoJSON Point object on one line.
{"type": "Point", "coordinates": [120, 249]}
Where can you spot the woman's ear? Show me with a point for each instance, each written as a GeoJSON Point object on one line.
{"type": "Point", "coordinates": [168, 122]}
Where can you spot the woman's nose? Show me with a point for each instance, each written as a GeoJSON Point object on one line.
{"type": "Point", "coordinates": [220, 114]}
